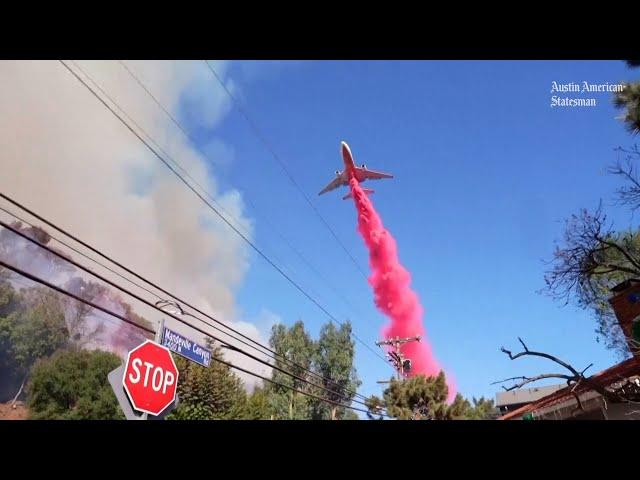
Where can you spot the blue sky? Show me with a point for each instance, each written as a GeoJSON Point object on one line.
{"type": "Point", "coordinates": [485, 173]}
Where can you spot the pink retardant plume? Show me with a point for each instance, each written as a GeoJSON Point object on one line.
{"type": "Point", "coordinates": [392, 291]}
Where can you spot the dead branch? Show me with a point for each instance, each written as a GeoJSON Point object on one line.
{"type": "Point", "coordinates": [629, 194]}
{"type": "Point", "coordinates": [543, 355]}
{"type": "Point", "coordinates": [576, 377]}
{"type": "Point", "coordinates": [526, 380]}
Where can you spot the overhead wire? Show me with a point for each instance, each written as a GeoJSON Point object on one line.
{"type": "Point", "coordinates": [37, 279]}
{"type": "Point", "coordinates": [283, 166]}
{"type": "Point", "coordinates": [246, 198]}
{"type": "Point", "coordinates": [143, 279]}
{"type": "Point", "coordinates": [211, 207]}
{"type": "Point", "coordinates": [154, 306]}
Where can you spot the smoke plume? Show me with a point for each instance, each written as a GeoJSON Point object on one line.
{"type": "Point", "coordinates": [64, 155]}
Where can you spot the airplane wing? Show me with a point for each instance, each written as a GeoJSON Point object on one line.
{"type": "Point", "coordinates": [366, 174]}
{"type": "Point", "coordinates": [335, 183]}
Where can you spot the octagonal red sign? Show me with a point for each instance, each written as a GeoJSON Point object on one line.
{"type": "Point", "coordinates": [150, 378]}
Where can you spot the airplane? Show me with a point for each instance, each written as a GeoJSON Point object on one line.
{"type": "Point", "coordinates": [361, 173]}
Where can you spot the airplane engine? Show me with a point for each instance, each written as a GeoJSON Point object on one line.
{"type": "Point", "coordinates": [364, 166]}
{"type": "Point", "coordinates": [338, 173]}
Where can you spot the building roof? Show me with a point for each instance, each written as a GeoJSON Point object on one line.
{"type": "Point", "coordinates": [624, 285]}
{"type": "Point", "coordinates": [604, 378]}
{"type": "Point", "coordinates": [525, 395]}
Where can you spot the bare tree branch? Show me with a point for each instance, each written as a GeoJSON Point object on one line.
{"type": "Point", "coordinates": [540, 354]}
{"type": "Point", "coordinates": [576, 376]}
{"type": "Point", "coordinates": [592, 259]}
{"type": "Point", "coordinates": [526, 380]}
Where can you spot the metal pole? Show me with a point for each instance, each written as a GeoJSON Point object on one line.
{"type": "Point", "coordinates": [160, 331]}
{"type": "Point", "coordinates": [157, 339]}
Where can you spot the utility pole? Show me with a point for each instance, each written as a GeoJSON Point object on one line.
{"type": "Point", "coordinates": [400, 363]}
{"type": "Point", "coordinates": [397, 359]}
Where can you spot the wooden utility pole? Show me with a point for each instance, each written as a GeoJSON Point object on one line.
{"type": "Point", "coordinates": [399, 362]}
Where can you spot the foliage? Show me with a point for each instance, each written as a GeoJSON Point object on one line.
{"type": "Point", "coordinates": [208, 393]}
{"type": "Point", "coordinates": [421, 396]}
{"type": "Point", "coordinates": [594, 257]}
{"type": "Point", "coordinates": [72, 385]}
{"type": "Point", "coordinates": [27, 334]}
{"type": "Point", "coordinates": [425, 398]}
{"type": "Point", "coordinates": [330, 358]}
{"type": "Point", "coordinates": [258, 406]}
{"type": "Point", "coordinates": [333, 359]}
{"type": "Point", "coordinates": [482, 409]}
{"type": "Point", "coordinates": [629, 100]}
{"type": "Point", "coordinates": [592, 260]}
{"type": "Point", "coordinates": [296, 345]}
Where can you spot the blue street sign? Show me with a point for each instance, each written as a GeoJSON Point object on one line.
{"type": "Point", "coordinates": [185, 347]}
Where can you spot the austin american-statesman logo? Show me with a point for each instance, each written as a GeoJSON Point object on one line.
{"type": "Point", "coordinates": [584, 87]}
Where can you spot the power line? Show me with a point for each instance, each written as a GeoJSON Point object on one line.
{"type": "Point", "coordinates": [75, 297]}
{"type": "Point", "coordinates": [140, 299]}
{"type": "Point", "coordinates": [186, 173]}
{"type": "Point", "coordinates": [282, 164]}
{"type": "Point", "coordinates": [172, 160]}
{"type": "Point", "coordinates": [269, 223]}
{"type": "Point", "coordinates": [247, 240]}
{"type": "Point", "coordinates": [180, 167]}
{"type": "Point", "coordinates": [154, 306]}
{"type": "Point", "coordinates": [106, 257]}
{"type": "Point", "coordinates": [109, 312]}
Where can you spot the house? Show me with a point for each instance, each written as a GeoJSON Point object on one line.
{"type": "Point", "coordinates": [612, 394]}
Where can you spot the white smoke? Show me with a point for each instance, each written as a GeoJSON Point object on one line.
{"type": "Point", "coordinates": [63, 154]}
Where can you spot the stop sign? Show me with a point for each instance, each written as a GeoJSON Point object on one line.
{"type": "Point", "coordinates": [150, 378]}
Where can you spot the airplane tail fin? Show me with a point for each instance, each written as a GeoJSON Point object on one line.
{"type": "Point", "coordinates": [368, 191]}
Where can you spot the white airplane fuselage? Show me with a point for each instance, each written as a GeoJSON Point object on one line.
{"type": "Point", "coordinates": [361, 173]}
{"type": "Point", "coordinates": [349, 166]}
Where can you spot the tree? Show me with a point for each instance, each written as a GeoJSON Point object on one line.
{"type": "Point", "coordinates": [72, 385]}
{"type": "Point", "coordinates": [9, 377]}
{"type": "Point", "coordinates": [593, 259]}
{"type": "Point", "coordinates": [9, 298]}
{"type": "Point", "coordinates": [482, 409]}
{"type": "Point", "coordinates": [36, 329]}
{"type": "Point", "coordinates": [258, 406]}
{"type": "Point", "coordinates": [422, 397]}
{"type": "Point", "coordinates": [333, 360]}
{"type": "Point", "coordinates": [425, 398]}
{"type": "Point", "coordinates": [349, 415]}
{"type": "Point", "coordinates": [375, 406]}
{"type": "Point", "coordinates": [295, 345]}
{"type": "Point", "coordinates": [208, 393]}
{"type": "Point", "coordinates": [30, 256]}
{"type": "Point", "coordinates": [629, 100]}
{"type": "Point", "coordinates": [78, 313]}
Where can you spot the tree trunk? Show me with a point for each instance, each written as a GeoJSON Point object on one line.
{"type": "Point", "coordinates": [291, 407]}
{"type": "Point", "coordinates": [13, 402]}
{"type": "Point", "coordinates": [333, 413]}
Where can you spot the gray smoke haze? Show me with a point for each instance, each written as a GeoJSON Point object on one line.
{"type": "Point", "coordinates": [64, 155]}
